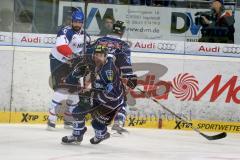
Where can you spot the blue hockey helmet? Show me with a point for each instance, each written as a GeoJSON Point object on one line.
{"type": "Point", "coordinates": [78, 16]}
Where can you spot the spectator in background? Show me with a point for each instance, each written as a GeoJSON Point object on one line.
{"type": "Point", "coordinates": [96, 1]}
{"type": "Point", "coordinates": [141, 2]}
{"type": "Point", "coordinates": [135, 2]}
{"type": "Point", "coordinates": [67, 21]}
{"type": "Point", "coordinates": [111, 1]}
{"type": "Point", "coordinates": [105, 1]}
{"type": "Point", "coordinates": [24, 22]}
{"type": "Point", "coordinates": [6, 19]}
{"type": "Point", "coordinates": [107, 25]}
{"type": "Point", "coordinates": [123, 2]}
{"type": "Point", "coordinates": [156, 3]}
{"type": "Point", "coordinates": [164, 3]}
{"type": "Point", "coordinates": [147, 2]}
{"type": "Point", "coordinates": [219, 28]}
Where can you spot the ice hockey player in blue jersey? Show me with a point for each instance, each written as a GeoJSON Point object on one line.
{"type": "Point", "coordinates": [69, 45]}
{"type": "Point", "coordinates": [120, 51]}
{"type": "Point", "coordinates": [104, 99]}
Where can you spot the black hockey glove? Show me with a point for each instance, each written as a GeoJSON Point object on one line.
{"type": "Point", "coordinates": [85, 102]}
{"type": "Point", "coordinates": [132, 82]}
{"type": "Point", "coordinates": [80, 70]}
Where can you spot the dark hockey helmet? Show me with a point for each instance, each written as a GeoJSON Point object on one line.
{"type": "Point", "coordinates": [118, 27]}
{"type": "Point", "coordinates": [221, 1]}
{"type": "Point", "coordinates": [101, 49]}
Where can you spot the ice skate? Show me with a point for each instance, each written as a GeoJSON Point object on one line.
{"type": "Point", "coordinates": [117, 129]}
{"type": "Point", "coordinates": [67, 125]}
{"type": "Point", "coordinates": [72, 139]}
{"type": "Point", "coordinates": [51, 126]}
{"type": "Point", "coordinates": [96, 140]}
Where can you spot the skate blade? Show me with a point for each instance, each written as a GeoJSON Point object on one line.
{"type": "Point", "coordinates": [120, 131]}
{"type": "Point", "coordinates": [68, 127]}
{"type": "Point", "coordinates": [71, 144]}
{"type": "Point", "coordinates": [115, 133]}
{"type": "Point", "coordinates": [49, 128]}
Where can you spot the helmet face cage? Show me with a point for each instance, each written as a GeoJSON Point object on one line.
{"type": "Point", "coordinates": [119, 28]}
{"type": "Point", "coordinates": [78, 16]}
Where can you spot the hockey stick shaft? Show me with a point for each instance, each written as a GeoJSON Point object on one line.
{"type": "Point", "coordinates": [85, 25]}
{"type": "Point", "coordinates": [214, 137]}
{"type": "Point", "coordinates": [85, 34]}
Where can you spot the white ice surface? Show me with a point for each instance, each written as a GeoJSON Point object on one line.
{"type": "Point", "coordinates": [33, 142]}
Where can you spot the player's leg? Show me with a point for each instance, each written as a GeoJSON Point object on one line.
{"type": "Point", "coordinates": [71, 103]}
{"type": "Point", "coordinates": [102, 117]}
{"type": "Point", "coordinates": [58, 71]}
{"type": "Point", "coordinates": [119, 120]}
{"type": "Point", "coordinates": [78, 113]}
{"type": "Point", "coordinates": [100, 130]}
{"type": "Point", "coordinates": [73, 84]}
{"type": "Point", "coordinates": [58, 97]}
{"type": "Point", "coordinates": [79, 128]}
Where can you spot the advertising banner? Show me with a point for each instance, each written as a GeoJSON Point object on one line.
{"type": "Point", "coordinates": [48, 40]}
{"type": "Point", "coordinates": [142, 22]}
{"type": "Point", "coordinates": [212, 49]}
{"type": "Point", "coordinates": [42, 118]}
{"type": "Point", "coordinates": [212, 126]}
{"type": "Point", "coordinates": [136, 45]}
{"type": "Point", "coordinates": [6, 38]}
{"type": "Point", "coordinates": [34, 40]}
{"type": "Point", "coordinates": [156, 46]}
{"type": "Point", "coordinates": [197, 89]}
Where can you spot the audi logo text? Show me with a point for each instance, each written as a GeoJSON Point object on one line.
{"type": "Point", "coordinates": [159, 46]}
{"type": "Point", "coordinates": [232, 50]}
{"type": "Point", "coordinates": [49, 40]}
{"type": "Point", "coordinates": [166, 46]}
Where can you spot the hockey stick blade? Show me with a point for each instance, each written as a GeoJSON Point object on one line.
{"type": "Point", "coordinates": [214, 137]}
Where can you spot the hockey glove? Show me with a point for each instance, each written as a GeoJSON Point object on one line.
{"type": "Point", "coordinates": [132, 82]}
{"type": "Point", "coordinates": [80, 70]}
{"type": "Point", "coordinates": [85, 102]}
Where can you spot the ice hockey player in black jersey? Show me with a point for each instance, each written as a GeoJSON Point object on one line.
{"type": "Point", "coordinates": [103, 100]}
{"type": "Point", "coordinates": [120, 51]}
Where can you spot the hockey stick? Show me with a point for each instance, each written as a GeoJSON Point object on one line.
{"type": "Point", "coordinates": [214, 137]}
{"type": "Point", "coordinates": [85, 34]}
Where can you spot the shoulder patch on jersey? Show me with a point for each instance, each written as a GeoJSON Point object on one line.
{"type": "Point", "coordinates": [109, 74]}
{"type": "Point", "coordinates": [129, 59]}
{"type": "Point", "coordinates": [64, 30]}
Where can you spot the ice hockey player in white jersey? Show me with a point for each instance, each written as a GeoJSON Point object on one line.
{"type": "Point", "coordinates": [120, 50]}
{"type": "Point", "coordinates": [69, 45]}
